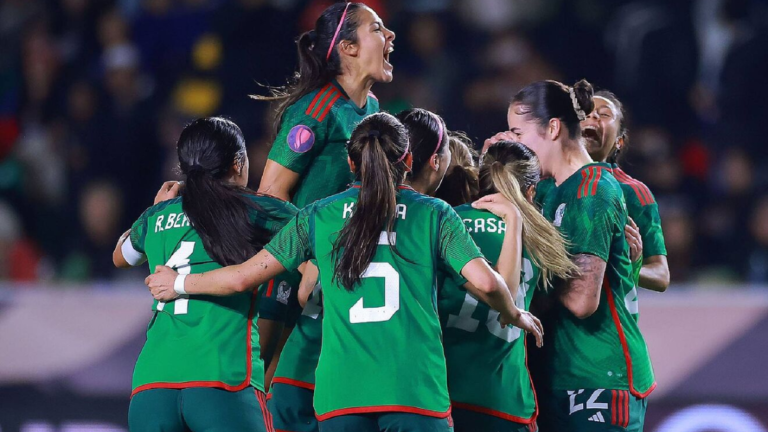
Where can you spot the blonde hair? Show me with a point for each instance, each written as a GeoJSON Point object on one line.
{"type": "Point", "coordinates": [510, 168]}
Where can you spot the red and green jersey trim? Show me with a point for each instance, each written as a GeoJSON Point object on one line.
{"type": "Point", "coordinates": [214, 384]}
{"type": "Point", "coordinates": [383, 409]}
{"type": "Point", "coordinates": [323, 101]}
{"type": "Point", "coordinates": [590, 177]}
{"type": "Point", "coordinates": [624, 345]}
{"type": "Point", "coordinates": [644, 194]}
{"type": "Point", "coordinates": [293, 382]}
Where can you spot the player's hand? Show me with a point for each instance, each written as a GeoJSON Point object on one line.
{"type": "Point", "coordinates": [168, 190]}
{"type": "Point", "coordinates": [528, 322]}
{"type": "Point", "coordinates": [501, 207]}
{"type": "Point", "coordinates": [501, 136]}
{"type": "Point", "coordinates": [161, 283]}
{"type": "Point", "coordinates": [632, 232]}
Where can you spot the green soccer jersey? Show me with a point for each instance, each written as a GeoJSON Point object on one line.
{"type": "Point", "coordinates": [381, 347]}
{"type": "Point", "coordinates": [301, 352]}
{"type": "Point", "coordinates": [605, 350]}
{"type": "Point", "coordinates": [312, 141]}
{"type": "Point", "coordinates": [198, 340]}
{"type": "Point", "coordinates": [542, 189]}
{"type": "Point", "coordinates": [486, 363]}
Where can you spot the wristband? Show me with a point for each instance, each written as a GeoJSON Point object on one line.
{"type": "Point", "coordinates": [178, 284]}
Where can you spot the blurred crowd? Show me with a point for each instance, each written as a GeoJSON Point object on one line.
{"type": "Point", "coordinates": [94, 93]}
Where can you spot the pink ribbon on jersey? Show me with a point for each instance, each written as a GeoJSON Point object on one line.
{"type": "Point", "coordinates": [335, 35]}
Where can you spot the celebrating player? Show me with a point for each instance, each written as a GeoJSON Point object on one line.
{"type": "Point", "coordinates": [429, 145]}
{"type": "Point", "coordinates": [377, 246]}
{"type": "Point", "coordinates": [599, 364]}
{"type": "Point", "coordinates": [201, 349]}
{"type": "Point", "coordinates": [605, 134]}
{"type": "Point", "coordinates": [339, 60]}
{"type": "Point", "coordinates": [496, 392]}
{"type": "Point", "coordinates": [460, 184]}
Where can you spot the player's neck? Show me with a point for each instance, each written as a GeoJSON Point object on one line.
{"type": "Point", "coordinates": [571, 162]}
{"type": "Point", "coordinates": [357, 88]}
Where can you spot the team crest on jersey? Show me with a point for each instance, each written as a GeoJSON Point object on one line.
{"type": "Point", "coordinates": [301, 139]}
{"type": "Point", "coordinates": [283, 292]}
{"type": "Point", "coordinates": [559, 215]}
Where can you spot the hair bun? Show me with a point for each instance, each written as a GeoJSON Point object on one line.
{"type": "Point", "coordinates": [584, 93]}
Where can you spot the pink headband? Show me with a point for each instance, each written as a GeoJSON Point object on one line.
{"type": "Point", "coordinates": [439, 133]}
{"type": "Point", "coordinates": [405, 153]}
{"type": "Point", "coordinates": [335, 35]}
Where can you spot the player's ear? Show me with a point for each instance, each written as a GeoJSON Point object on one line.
{"type": "Point", "coordinates": [530, 193]}
{"type": "Point", "coordinates": [351, 165]}
{"type": "Point", "coordinates": [554, 128]}
{"type": "Point", "coordinates": [349, 48]}
{"type": "Point", "coordinates": [434, 162]}
{"type": "Point", "coordinates": [409, 162]}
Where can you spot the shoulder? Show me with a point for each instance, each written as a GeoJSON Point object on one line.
{"type": "Point", "coordinates": [159, 207]}
{"type": "Point", "coordinates": [372, 102]}
{"type": "Point", "coordinates": [597, 183]}
{"type": "Point", "coordinates": [272, 205]}
{"type": "Point", "coordinates": [635, 191]}
{"type": "Point", "coordinates": [317, 104]}
{"type": "Point", "coordinates": [464, 209]}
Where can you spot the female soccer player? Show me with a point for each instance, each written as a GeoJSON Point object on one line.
{"type": "Point", "coordinates": [600, 368]}
{"type": "Point", "coordinates": [200, 363]}
{"type": "Point", "coordinates": [605, 134]}
{"type": "Point", "coordinates": [339, 60]}
{"type": "Point", "coordinates": [488, 379]}
{"type": "Point", "coordinates": [429, 145]}
{"type": "Point", "coordinates": [377, 246]}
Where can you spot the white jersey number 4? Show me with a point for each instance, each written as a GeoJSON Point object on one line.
{"type": "Point", "coordinates": [179, 261]}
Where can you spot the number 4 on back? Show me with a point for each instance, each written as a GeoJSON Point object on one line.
{"type": "Point", "coordinates": [179, 261]}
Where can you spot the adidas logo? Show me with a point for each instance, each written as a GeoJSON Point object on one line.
{"type": "Point", "coordinates": [597, 418]}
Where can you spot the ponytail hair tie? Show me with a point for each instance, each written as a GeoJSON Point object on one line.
{"type": "Point", "coordinates": [576, 107]}
{"type": "Point", "coordinates": [373, 133]}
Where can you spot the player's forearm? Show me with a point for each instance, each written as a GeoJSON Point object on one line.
{"type": "Point", "coordinates": [581, 294]}
{"type": "Point", "coordinates": [117, 255]}
{"type": "Point", "coordinates": [489, 287]}
{"type": "Point", "coordinates": [654, 275]}
{"type": "Point", "coordinates": [236, 278]}
{"type": "Point", "coordinates": [510, 258]}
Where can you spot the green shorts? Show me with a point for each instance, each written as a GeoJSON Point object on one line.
{"type": "Point", "coordinates": [386, 422]}
{"type": "Point", "coordinates": [199, 409]}
{"type": "Point", "coordinates": [588, 410]}
{"type": "Point", "coordinates": [291, 408]}
{"type": "Point", "coordinates": [473, 421]}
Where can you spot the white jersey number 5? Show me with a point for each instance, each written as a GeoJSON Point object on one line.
{"type": "Point", "coordinates": [361, 314]}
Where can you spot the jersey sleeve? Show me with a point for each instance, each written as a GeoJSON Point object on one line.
{"type": "Point", "coordinates": [291, 246]}
{"type": "Point", "coordinates": [271, 214]}
{"type": "Point", "coordinates": [590, 222]}
{"type": "Point", "coordinates": [132, 248]}
{"type": "Point", "coordinates": [300, 139]}
{"type": "Point", "coordinates": [456, 247]}
{"type": "Point", "coordinates": [648, 221]}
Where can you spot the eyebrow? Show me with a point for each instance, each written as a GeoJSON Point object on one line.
{"type": "Point", "coordinates": [515, 130]}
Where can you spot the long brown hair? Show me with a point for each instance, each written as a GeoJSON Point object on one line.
{"type": "Point", "coordinates": [510, 168]}
{"type": "Point", "coordinates": [378, 148]}
{"type": "Point", "coordinates": [460, 184]}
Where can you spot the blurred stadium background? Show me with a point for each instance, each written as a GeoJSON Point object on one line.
{"type": "Point", "coordinates": [93, 94]}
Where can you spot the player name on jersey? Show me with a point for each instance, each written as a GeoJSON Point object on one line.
{"type": "Point", "coordinates": [174, 220]}
{"type": "Point", "coordinates": [400, 210]}
{"type": "Point", "coordinates": [491, 225]}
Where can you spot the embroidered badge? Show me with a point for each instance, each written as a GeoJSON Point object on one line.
{"type": "Point", "coordinates": [301, 139]}
{"type": "Point", "coordinates": [283, 292]}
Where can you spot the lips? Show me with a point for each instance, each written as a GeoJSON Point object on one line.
{"type": "Point", "coordinates": [387, 51]}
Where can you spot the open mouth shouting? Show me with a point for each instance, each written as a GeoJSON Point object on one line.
{"type": "Point", "coordinates": [591, 135]}
{"type": "Point", "coordinates": [388, 49]}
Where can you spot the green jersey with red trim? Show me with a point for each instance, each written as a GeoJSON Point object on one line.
{"type": "Point", "coordinates": [312, 141]}
{"type": "Point", "coordinates": [486, 363]}
{"type": "Point", "coordinates": [381, 346]}
{"type": "Point", "coordinates": [301, 352]}
{"type": "Point", "coordinates": [198, 340]}
{"type": "Point", "coordinates": [605, 350]}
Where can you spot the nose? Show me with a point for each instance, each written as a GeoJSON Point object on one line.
{"type": "Point", "coordinates": [591, 119]}
{"type": "Point", "coordinates": [390, 35]}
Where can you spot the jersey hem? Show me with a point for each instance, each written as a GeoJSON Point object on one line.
{"type": "Point", "coordinates": [381, 409]}
{"type": "Point", "coordinates": [624, 346]}
{"type": "Point", "coordinates": [215, 384]}
{"type": "Point", "coordinates": [293, 382]}
{"type": "Point", "coordinates": [494, 413]}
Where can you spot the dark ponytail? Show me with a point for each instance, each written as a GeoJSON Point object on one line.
{"type": "Point", "coordinates": [425, 130]}
{"type": "Point", "coordinates": [460, 184]}
{"type": "Point", "coordinates": [314, 69]}
{"type": "Point", "coordinates": [217, 210]}
{"type": "Point", "coordinates": [378, 147]}
{"type": "Point", "coordinates": [545, 100]}
{"type": "Point", "coordinates": [623, 130]}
